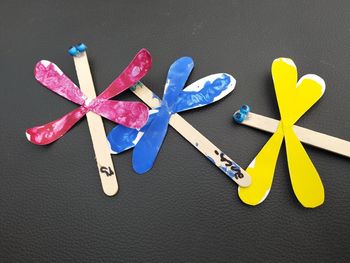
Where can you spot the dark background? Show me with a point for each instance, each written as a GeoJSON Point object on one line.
{"type": "Point", "coordinates": [52, 207]}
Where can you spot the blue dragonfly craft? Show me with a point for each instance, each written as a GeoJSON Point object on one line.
{"type": "Point", "coordinates": [148, 140]}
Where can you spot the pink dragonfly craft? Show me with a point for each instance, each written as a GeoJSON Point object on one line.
{"type": "Point", "coordinates": [127, 113]}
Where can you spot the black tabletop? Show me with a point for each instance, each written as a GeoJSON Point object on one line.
{"type": "Point", "coordinates": [52, 208]}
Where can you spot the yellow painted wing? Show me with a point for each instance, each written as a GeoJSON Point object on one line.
{"type": "Point", "coordinates": [285, 77]}
{"type": "Point", "coordinates": [306, 182]}
{"type": "Point", "coordinates": [261, 171]}
{"type": "Point", "coordinates": [294, 99]}
{"type": "Point", "coordinates": [293, 103]}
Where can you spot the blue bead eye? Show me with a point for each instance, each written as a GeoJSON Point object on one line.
{"type": "Point", "coordinates": [239, 116]}
{"type": "Point", "coordinates": [73, 51]}
{"type": "Point", "coordinates": [245, 109]}
{"type": "Point", "coordinates": [81, 47]}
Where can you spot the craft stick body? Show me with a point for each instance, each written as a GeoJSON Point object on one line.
{"type": "Point", "coordinates": [310, 137]}
{"type": "Point", "coordinates": [97, 131]}
{"type": "Point", "coordinates": [294, 99]}
{"type": "Point", "coordinates": [216, 156]}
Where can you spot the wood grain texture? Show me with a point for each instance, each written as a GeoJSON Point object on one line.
{"type": "Point", "coordinates": [97, 131]}
{"type": "Point", "coordinates": [314, 138]}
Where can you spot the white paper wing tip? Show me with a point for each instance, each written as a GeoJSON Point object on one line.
{"type": "Point", "coordinates": [261, 200]}
{"type": "Point", "coordinates": [315, 78]}
{"type": "Point", "coordinates": [264, 197]}
{"type": "Point", "coordinates": [233, 81]}
{"type": "Point", "coordinates": [252, 164]}
{"type": "Point", "coordinates": [199, 84]}
{"type": "Point", "coordinates": [46, 63]}
{"type": "Point", "coordinates": [166, 85]}
{"type": "Point", "coordinates": [232, 84]}
{"type": "Point", "coordinates": [110, 148]}
{"type": "Point", "coordinates": [57, 69]}
{"type": "Point", "coordinates": [153, 111]}
{"type": "Point", "coordinates": [138, 137]}
{"type": "Point", "coordinates": [289, 61]}
{"type": "Point", "coordinates": [28, 136]}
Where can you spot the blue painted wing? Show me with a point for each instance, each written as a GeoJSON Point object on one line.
{"type": "Point", "coordinates": [205, 91]}
{"type": "Point", "coordinates": [122, 138]}
{"type": "Point", "coordinates": [146, 150]}
{"type": "Point", "coordinates": [178, 74]}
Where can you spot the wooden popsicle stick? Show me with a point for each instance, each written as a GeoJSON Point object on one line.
{"type": "Point", "coordinates": [307, 136]}
{"type": "Point", "coordinates": [97, 130]}
{"type": "Point", "coordinates": [222, 161]}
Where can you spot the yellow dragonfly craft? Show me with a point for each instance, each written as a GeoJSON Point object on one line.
{"type": "Point", "coordinates": [294, 99]}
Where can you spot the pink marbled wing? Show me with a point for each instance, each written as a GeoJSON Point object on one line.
{"type": "Point", "coordinates": [51, 77]}
{"type": "Point", "coordinates": [135, 71]}
{"type": "Point", "coordinates": [127, 113]}
{"type": "Point", "coordinates": [50, 132]}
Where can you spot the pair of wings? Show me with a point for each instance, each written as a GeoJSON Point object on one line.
{"type": "Point", "coordinates": [294, 99]}
{"type": "Point", "coordinates": [130, 114]}
{"type": "Point", "coordinates": [148, 140]}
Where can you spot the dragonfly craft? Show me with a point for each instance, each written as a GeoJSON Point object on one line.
{"type": "Point", "coordinates": [148, 140]}
{"type": "Point", "coordinates": [129, 114]}
{"type": "Point", "coordinates": [294, 99]}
